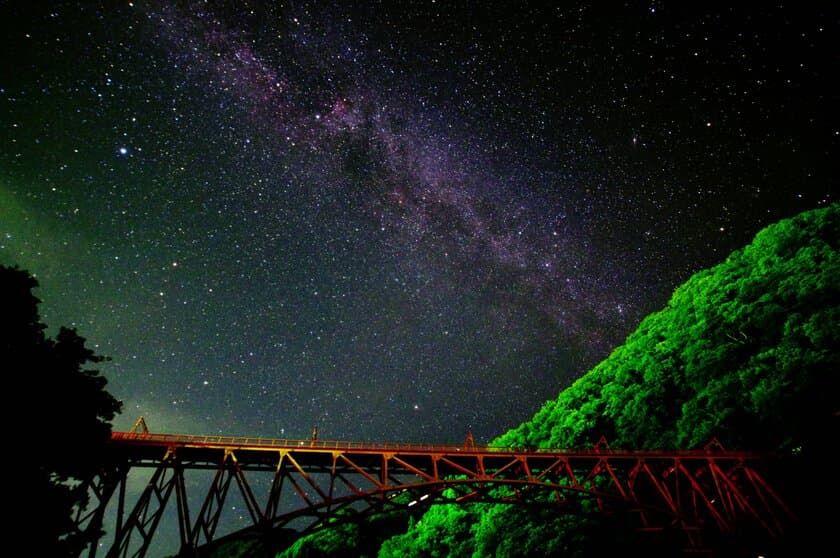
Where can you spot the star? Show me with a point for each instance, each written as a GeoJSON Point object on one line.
{"type": "Point", "coordinates": [336, 210]}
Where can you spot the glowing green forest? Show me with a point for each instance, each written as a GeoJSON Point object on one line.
{"type": "Point", "coordinates": [744, 352]}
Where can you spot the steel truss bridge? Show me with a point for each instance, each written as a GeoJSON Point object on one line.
{"type": "Point", "coordinates": [305, 482]}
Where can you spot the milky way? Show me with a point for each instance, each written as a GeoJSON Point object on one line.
{"type": "Point", "coordinates": [399, 223]}
{"type": "Point", "coordinates": [427, 186]}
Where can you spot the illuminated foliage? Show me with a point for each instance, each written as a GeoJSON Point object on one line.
{"type": "Point", "coordinates": [745, 352]}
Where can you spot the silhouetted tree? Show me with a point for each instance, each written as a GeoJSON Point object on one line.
{"type": "Point", "coordinates": [65, 424]}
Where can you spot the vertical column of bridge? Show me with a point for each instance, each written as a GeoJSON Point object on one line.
{"type": "Point", "coordinates": [146, 514]}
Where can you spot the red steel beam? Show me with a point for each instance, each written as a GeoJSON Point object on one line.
{"type": "Point", "coordinates": [680, 487]}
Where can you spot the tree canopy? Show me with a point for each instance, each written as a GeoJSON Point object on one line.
{"type": "Point", "coordinates": [745, 352]}
{"type": "Point", "coordinates": [65, 421]}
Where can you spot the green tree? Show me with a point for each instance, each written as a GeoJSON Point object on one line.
{"type": "Point", "coordinates": [746, 351]}
{"type": "Point", "coordinates": [66, 422]}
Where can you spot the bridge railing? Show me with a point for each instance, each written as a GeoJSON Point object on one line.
{"type": "Point", "coordinates": [258, 443]}
{"type": "Point", "coordinates": [283, 443]}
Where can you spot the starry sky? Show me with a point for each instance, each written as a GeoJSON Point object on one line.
{"type": "Point", "coordinates": [399, 221]}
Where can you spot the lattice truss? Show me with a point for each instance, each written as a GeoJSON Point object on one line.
{"type": "Point", "coordinates": [304, 484]}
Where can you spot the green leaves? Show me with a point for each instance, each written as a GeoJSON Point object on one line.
{"type": "Point", "coordinates": [745, 351]}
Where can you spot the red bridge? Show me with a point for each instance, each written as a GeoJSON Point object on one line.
{"type": "Point", "coordinates": [303, 482]}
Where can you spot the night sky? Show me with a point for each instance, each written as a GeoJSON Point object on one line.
{"type": "Point", "coordinates": [397, 220]}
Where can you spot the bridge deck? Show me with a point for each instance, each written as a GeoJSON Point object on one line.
{"type": "Point", "coordinates": [247, 444]}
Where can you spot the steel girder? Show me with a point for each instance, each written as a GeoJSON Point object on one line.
{"type": "Point", "coordinates": [306, 482]}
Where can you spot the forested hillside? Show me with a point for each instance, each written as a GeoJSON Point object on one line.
{"type": "Point", "coordinates": [745, 352]}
